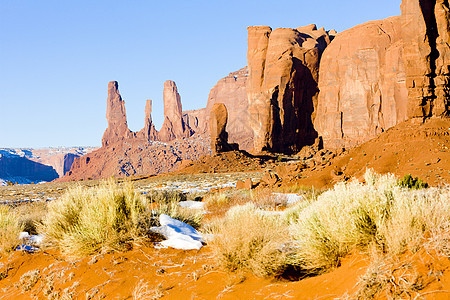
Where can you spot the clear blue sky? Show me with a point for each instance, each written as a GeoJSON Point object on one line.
{"type": "Point", "coordinates": [57, 57]}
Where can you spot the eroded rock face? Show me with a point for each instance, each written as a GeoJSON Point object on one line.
{"type": "Point", "coordinates": [116, 116]}
{"type": "Point", "coordinates": [173, 127]}
{"type": "Point", "coordinates": [148, 132]}
{"type": "Point", "coordinates": [426, 29]}
{"type": "Point", "coordinates": [219, 135]}
{"type": "Point", "coordinates": [282, 86]}
{"type": "Point", "coordinates": [362, 84]}
{"type": "Point", "coordinates": [231, 91]}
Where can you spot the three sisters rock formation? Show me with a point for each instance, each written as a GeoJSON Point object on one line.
{"type": "Point", "coordinates": [300, 84]}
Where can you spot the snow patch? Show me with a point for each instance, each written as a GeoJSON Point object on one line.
{"type": "Point", "coordinates": [290, 197]}
{"type": "Point", "coordinates": [179, 235]}
{"type": "Point", "coordinates": [30, 243]}
{"type": "Point", "coordinates": [192, 204]}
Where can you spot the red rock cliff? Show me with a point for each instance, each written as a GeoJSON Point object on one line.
{"type": "Point", "coordinates": [282, 86]}
{"type": "Point", "coordinates": [362, 84]}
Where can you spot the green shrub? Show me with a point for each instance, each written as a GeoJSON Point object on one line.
{"type": "Point", "coordinates": [97, 219]}
{"type": "Point", "coordinates": [411, 182]}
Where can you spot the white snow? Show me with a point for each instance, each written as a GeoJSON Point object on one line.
{"type": "Point", "coordinates": [290, 197]}
{"type": "Point", "coordinates": [30, 243]}
{"type": "Point", "coordinates": [192, 204]}
{"type": "Point", "coordinates": [179, 235]}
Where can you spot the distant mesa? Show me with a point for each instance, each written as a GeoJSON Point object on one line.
{"type": "Point", "coordinates": [35, 165]}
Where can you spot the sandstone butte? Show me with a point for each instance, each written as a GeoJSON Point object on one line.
{"type": "Point", "coordinates": [301, 84]}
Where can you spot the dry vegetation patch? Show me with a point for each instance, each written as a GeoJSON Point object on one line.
{"type": "Point", "coordinates": [102, 218]}
{"type": "Point", "coordinates": [246, 239]}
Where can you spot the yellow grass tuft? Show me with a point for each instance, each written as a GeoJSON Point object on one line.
{"type": "Point", "coordinates": [247, 239]}
{"type": "Point", "coordinates": [10, 229]}
{"type": "Point", "coordinates": [97, 219]}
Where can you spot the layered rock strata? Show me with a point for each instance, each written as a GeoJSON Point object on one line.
{"type": "Point", "coordinates": [426, 37]}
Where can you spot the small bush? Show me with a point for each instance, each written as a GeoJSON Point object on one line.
{"type": "Point", "coordinates": [247, 239]}
{"type": "Point", "coordinates": [97, 219]}
{"type": "Point", "coordinates": [10, 229]}
{"type": "Point", "coordinates": [219, 203]}
{"type": "Point", "coordinates": [30, 215]}
{"type": "Point", "coordinates": [166, 202]}
{"type": "Point", "coordinates": [29, 280]}
{"type": "Point", "coordinates": [380, 212]}
{"type": "Point", "coordinates": [412, 182]}
{"type": "Point", "coordinates": [388, 279]}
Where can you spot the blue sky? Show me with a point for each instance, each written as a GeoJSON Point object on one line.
{"type": "Point", "coordinates": [57, 57]}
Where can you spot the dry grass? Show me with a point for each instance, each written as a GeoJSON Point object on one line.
{"type": "Point", "coordinates": [247, 239]}
{"type": "Point", "coordinates": [30, 215]}
{"type": "Point", "coordinates": [10, 229]}
{"type": "Point", "coordinates": [142, 291]}
{"type": "Point", "coordinates": [166, 202]}
{"type": "Point", "coordinates": [219, 203]}
{"type": "Point", "coordinates": [29, 280]}
{"type": "Point", "coordinates": [380, 213]}
{"type": "Point", "coordinates": [390, 278]}
{"type": "Point", "coordinates": [102, 218]}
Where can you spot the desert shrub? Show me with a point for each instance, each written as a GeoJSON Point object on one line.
{"type": "Point", "coordinates": [390, 279]}
{"type": "Point", "coordinates": [9, 183]}
{"type": "Point", "coordinates": [166, 202]}
{"type": "Point", "coordinates": [412, 182]}
{"type": "Point", "coordinates": [219, 203]}
{"type": "Point", "coordinates": [380, 212]}
{"type": "Point", "coordinates": [30, 215]}
{"type": "Point", "coordinates": [101, 218]}
{"type": "Point", "coordinates": [417, 215]}
{"type": "Point", "coordinates": [165, 196]}
{"type": "Point", "coordinates": [247, 239]}
{"type": "Point", "coordinates": [10, 229]}
{"type": "Point", "coordinates": [345, 217]}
